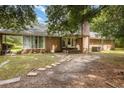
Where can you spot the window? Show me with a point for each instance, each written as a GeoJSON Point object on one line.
{"type": "Point", "coordinates": [33, 42]}
{"type": "Point", "coordinates": [63, 43]}
{"type": "Point", "coordinates": [69, 41]}
{"type": "Point", "coordinates": [27, 42]}
{"type": "Point", "coordinates": [36, 42]}
{"type": "Point", "coordinates": [41, 42]}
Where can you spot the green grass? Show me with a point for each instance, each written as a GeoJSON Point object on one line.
{"type": "Point", "coordinates": [21, 64]}
{"type": "Point", "coordinates": [116, 51]}
{"type": "Point", "coordinates": [115, 57]}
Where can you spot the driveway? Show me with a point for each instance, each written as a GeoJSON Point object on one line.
{"type": "Point", "coordinates": [75, 70]}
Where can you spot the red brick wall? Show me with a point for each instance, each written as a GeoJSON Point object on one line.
{"type": "Point", "coordinates": [51, 42]}
{"type": "Point", "coordinates": [107, 44]}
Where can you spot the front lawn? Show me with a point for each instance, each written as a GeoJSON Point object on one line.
{"type": "Point", "coordinates": [119, 51]}
{"type": "Point", "coordinates": [20, 64]}
{"type": "Point", "coordinates": [115, 57]}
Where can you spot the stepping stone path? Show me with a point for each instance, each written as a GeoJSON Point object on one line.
{"type": "Point", "coordinates": [69, 59]}
{"type": "Point", "coordinates": [13, 80]}
{"type": "Point", "coordinates": [91, 76]}
{"type": "Point", "coordinates": [53, 64]}
{"type": "Point", "coordinates": [40, 69]}
{"type": "Point", "coordinates": [4, 63]}
{"type": "Point", "coordinates": [63, 60]}
{"type": "Point", "coordinates": [58, 63]}
{"type": "Point", "coordinates": [85, 60]}
{"type": "Point", "coordinates": [59, 75]}
{"type": "Point", "coordinates": [32, 74]}
{"type": "Point", "coordinates": [48, 66]}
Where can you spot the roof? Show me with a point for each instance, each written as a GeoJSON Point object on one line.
{"type": "Point", "coordinates": [37, 30]}
{"type": "Point", "coordinates": [41, 30]}
{"type": "Point", "coordinates": [95, 35]}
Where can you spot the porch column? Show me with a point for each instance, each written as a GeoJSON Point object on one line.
{"type": "Point", "coordinates": [85, 36]}
{"type": "Point", "coordinates": [0, 44]}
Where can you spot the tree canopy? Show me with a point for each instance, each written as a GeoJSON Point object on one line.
{"type": "Point", "coordinates": [110, 23]}
{"type": "Point", "coordinates": [68, 19]}
{"type": "Point", "coordinates": [106, 20]}
{"type": "Point", "coordinates": [16, 16]}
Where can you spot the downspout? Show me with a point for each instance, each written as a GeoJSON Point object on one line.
{"type": "Point", "coordinates": [81, 37]}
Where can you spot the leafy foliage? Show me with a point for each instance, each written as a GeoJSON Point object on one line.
{"type": "Point", "coordinates": [68, 19]}
{"type": "Point", "coordinates": [110, 23]}
{"type": "Point", "coordinates": [16, 16]}
{"type": "Point", "coordinates": [16, 41]}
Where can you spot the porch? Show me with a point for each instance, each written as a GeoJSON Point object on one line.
{"type": "Point", "coordinates": [71, 44]}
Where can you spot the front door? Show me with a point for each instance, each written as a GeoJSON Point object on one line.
{"type": "Point", "coordinates": [68, 42]}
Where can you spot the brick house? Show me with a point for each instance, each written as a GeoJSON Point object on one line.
{"type": "Point", "coordinates": [38, 40]}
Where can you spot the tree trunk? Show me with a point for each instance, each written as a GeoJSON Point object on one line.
{"type": "Point", "coordinates": [102, 43]}
{"type": "Point", "coordinates": [85, 32]}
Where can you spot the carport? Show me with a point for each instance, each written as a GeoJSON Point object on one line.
{"type": "Point", "coordinates": [4, 47]}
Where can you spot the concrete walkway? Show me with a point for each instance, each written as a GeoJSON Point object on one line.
{"type": "Point", "coordinates": [61, 75]}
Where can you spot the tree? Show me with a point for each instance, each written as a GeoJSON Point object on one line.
{"type": "Point", "coordinates": [16, 17]}
{"type": "Point", "coordinates": [68, 19]}
{"type": "Point", "coordinates": [110, 23]}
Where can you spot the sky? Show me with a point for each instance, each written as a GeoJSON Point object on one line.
{"type": "Point", "coordinates": [40, 13]}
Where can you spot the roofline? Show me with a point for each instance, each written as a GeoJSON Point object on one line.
{"type": "Point", "coordinates": [20, 34]}
{"type": "Point", "coordinates": [27, 34]}
{"type": "Point", "coordinates": [100, 38]}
